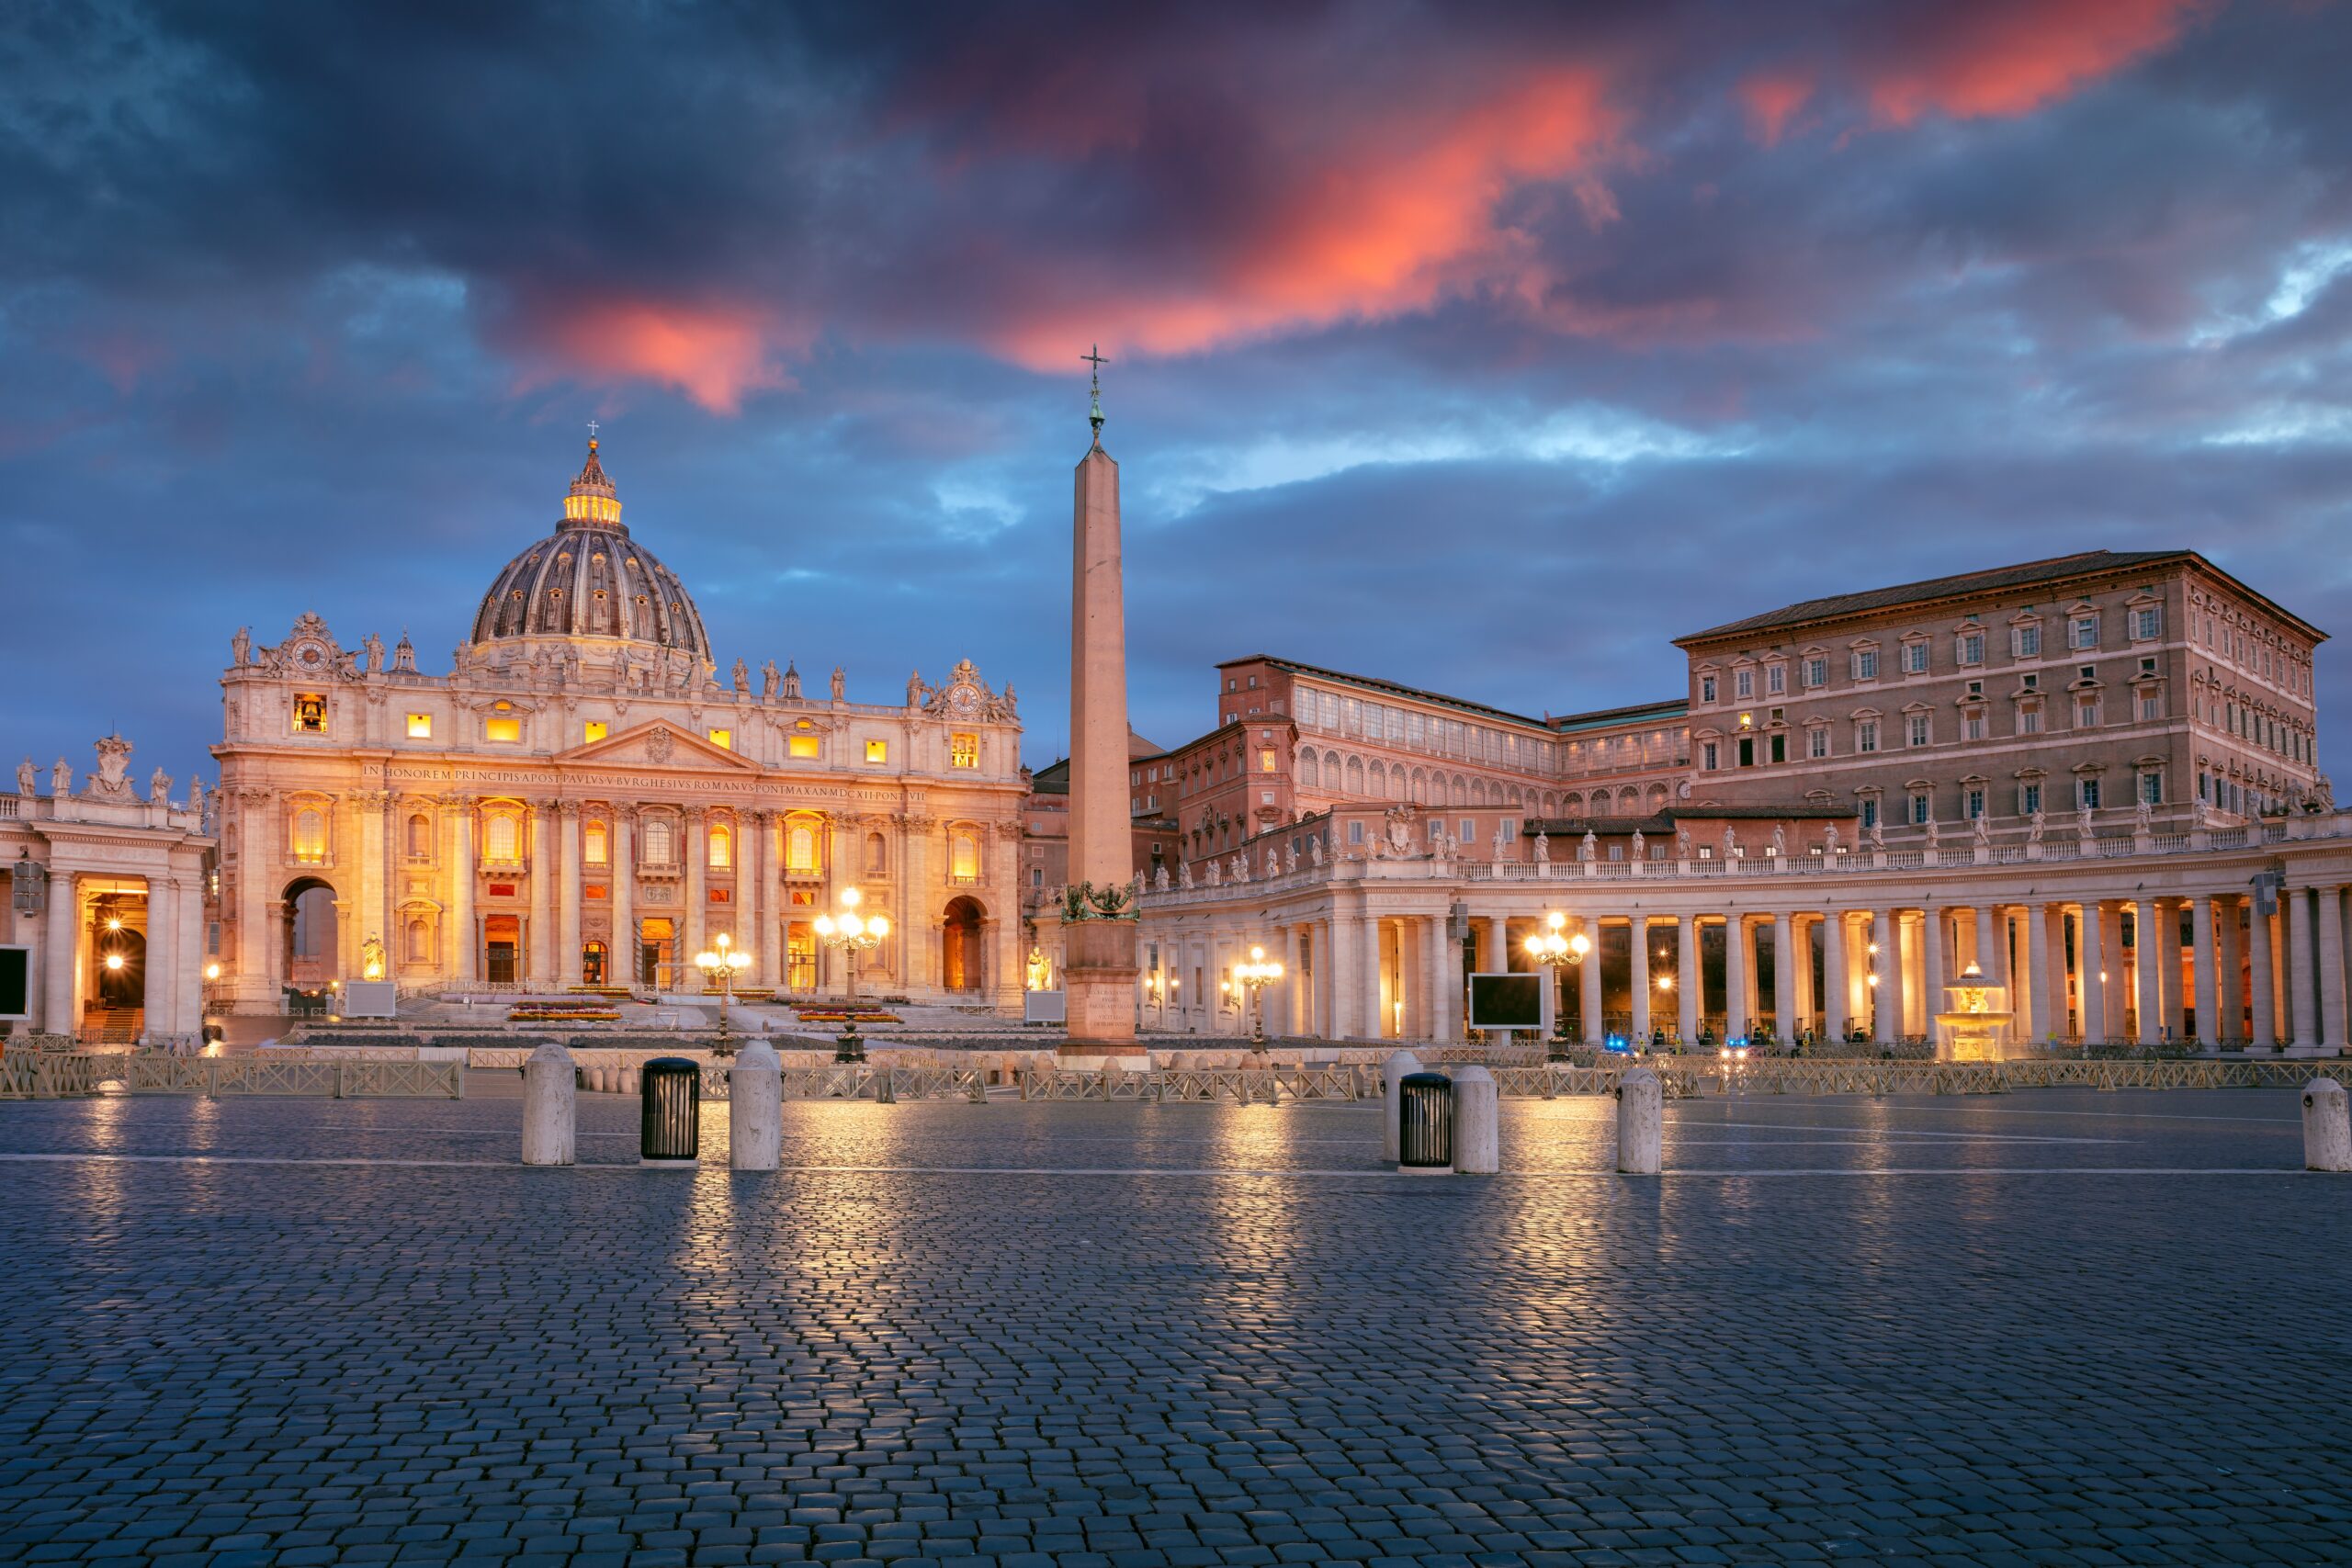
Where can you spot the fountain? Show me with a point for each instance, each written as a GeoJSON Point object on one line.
{"type": "Point", "coordinates": [1977, 1027]}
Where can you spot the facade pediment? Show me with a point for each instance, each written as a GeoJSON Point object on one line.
{"type": "Point", "coordinates": [659, 744]}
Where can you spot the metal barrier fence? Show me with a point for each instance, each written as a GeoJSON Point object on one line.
{"type": "Point", "coordinates": [49, 1077]}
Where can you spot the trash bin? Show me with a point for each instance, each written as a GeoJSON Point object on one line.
{"type": "Point", "coordinates": [670, 1127]}
{"type": "Point", "coordinates": [1425, 1124]}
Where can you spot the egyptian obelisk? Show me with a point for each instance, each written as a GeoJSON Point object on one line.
{"type": "Point", "coordinates": [1099, 953]}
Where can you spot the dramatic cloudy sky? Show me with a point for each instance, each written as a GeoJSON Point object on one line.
{"type": "Point", "coordinates": [1483, 347]}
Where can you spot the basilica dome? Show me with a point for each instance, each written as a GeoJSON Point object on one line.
{"type": "Point", "coordinates": [589, 579]}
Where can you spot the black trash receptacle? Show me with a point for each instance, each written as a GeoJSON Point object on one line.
{"type": "Point", "coordinates": [671, 1130]}
{"type": "Point", "coordinates": [1425, 1124]}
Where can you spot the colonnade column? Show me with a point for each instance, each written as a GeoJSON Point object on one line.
{"type": "Point", "coordinates": [2264, 1033]}
{"type": "Point", "coordinates": [1835, 994]}
{"type": "Point", "coordinates": [1640, 949]}
{"type": "Point", "coordinates": [1931, 967]}
{"type": "Point", "coordinates": [61, 955]}
{"type": "Point", "coordinates": [158, 1013]}
{"type": "Point", "coordinates": [1370, 936]}
{"type": "Point", "coordinates": [1294, 982]}
{"type": "Point", "coordinates": [466, 941]}
{"type": "Point", "coordinates": [1589, 985]}
{"type": "Point", "coordinates": [1886, 1007]}
{"type": "Point", "coordinates": [2207, 970]}
{"type": "Point", "coordinates": [621, 967]}
{"type": "Point", "coordinates": [1801, 964]}
{"type": "Point", "coordinates": [191, 951]}
{"type": "Point", "coordinates": [1988, 948]}
{"type": "Point", "coordinates": [1736, 975]}
{"type": "Point", "coordinates": [2090, 964]}
{"type": "Point", "coordinates": [1325, 1022]}
{"type": "Point", "coordinates": [760, 910]}
{"type": "Point", "coordinates": [1442, 964]}
{"type": "Point", "coordinates": [2038, 935]}
{"type": "Point", "coordinates": [2114, 984]}
{"type": "Point", "coordinates": [2145, 945]}
{"type": "Point", "coordinates": [2178, 999]}
{"type": "Point", "coordinates": [1495, 958]}
{"type": "Point", "coordinates": [2294, 966]}
{"type": "Point", "coordinates": [2331, 966]}
{"type": "Point", "coordinates": [1784, 976]}
{"type": "Point", "coordinates": [1687, 977]}
{"type": "Point", "coordinates": [2228, 1018]}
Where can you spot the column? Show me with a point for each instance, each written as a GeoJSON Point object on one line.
{"type": "Point", "coordinates": [1931, 970]}
{"type": "Point", "coordinates": [1784, 976]}
{"type": "Point", "coordinates": [2148, 944]}
{"type": "Point", "coordinates": [1445, 980]}
{"type": "Point", "coordinates": [2116, 981]}
{"type": "Point", "coordinates": [1988, 947]}
{"type": "Point", "coordinates": [1326, 990]}
{"type": "Point", "coordinates": [2040, 1020]}
{"type": "Point", "coordinates": [1640, 950]}
{"type": "Point", "coordinates": [189, 949]}
{"type": "Point", "coordinates": [371, 904]}
{"type": "Point", "coordinates": [2207, 970]}
{"type": "Point", "coordinates": [1369, 975]}
{"type": "Point", "coordinates": [1737, 970]}
{"type": "Point", "coordinates": [1801, 963]}
{"type": "Point", "coordinates": [1688, 978]}
{"type": "Point", "coordinates": [1495, 958]}
{"type": "Point", "coordinates": [761, 909]}
{"type": "Point", "coordinates": [543, 895]}
{"type": "Point", "coordinates": [2331, 968]}
{"type": "Point", "coordinates": [622, 967]}
{"type": "Point", "coordinates": [567, 894]}
{"type": "Point", "coordinates": [1889, 1001]}
{"type": "Point", "coordinates": [1589, 986]}
{"type": "Point", "coordinates": [690, 934]}
{"type": "Point", "coordinates": [465, 942]}
{"type": "Point", "coordinates": [1290, 991]}
{"type": "Point", "coordinates": [2265, 1031]}
{"type": "Point", "coordinates": [2175, 1017]}
{"type": "Point", "coordinates": [157, 1013]}
{"type": "Point", "coordinates": [2229, 1022]}
{"type": "Point", "coordinates": [2090, 961]}
{"type": "Point", "coordinates": [1836, 994]}
{"type": "Point", "coordinates": [914, 849]}
{"type": "Point", "coordinates": [1413, 969]}
{"type": "Point", "coordinates": [60, 953]}
{"type": "Point", "coordinates": [2294, 967]}
{"type": "Point", "coordinates": [2015, 931]}
{"type": "Point", "coordinates": [252, 876]}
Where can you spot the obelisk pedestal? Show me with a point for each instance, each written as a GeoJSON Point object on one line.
{"type": "Point", "coordinates": [1099, 964]}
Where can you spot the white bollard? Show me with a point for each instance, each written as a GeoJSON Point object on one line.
{"type": "Point", "coordinates": [1641, 1124]}
{"type": "Point", "coordinates": [1392, 1107]}
{"type": "Point", "coordinates": [755, 1108]}
{"type": "Point", "coordinates": [1477, 1122]}
{"type": "Point", "coordinates": [550, 1124]}
{"type": "Point", "coordinates": [2328, 1127]}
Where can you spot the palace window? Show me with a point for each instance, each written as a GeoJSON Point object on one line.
{"type": "Point", "coordinates": [1816, 741]}
{"type": "Point", "coordinates": [721, 856]}
{"type": "Point", "coordinates": [1743, 683]}
{"type": "Point", "coordinates": [2147, 621]}
{"type": "Point", "coordinates": [2025, 640]}
{"type": "Point", "coordinates": [1869, 811]}
{"type": "Point", "coordinates": [722, 739]}
{"type": "Point", "coordinates": [1866, 664]}
{"type": "Point", "coordinates": [661, 842]}
{"type": "Point", "coordinates": [1916, 729]}
{"type": "Point", "coordinates": [2152, 787]}
{"type": "Point", "coordinates": [2030, 718]}
{"type": "Point", "coordinates": [595, 729]}
{"type": "Point", "coordinates": [2086, 793]}
{"type": "Point", "coordinates": [1265, 761]}
{"type": "Point", "coordinates": [799, 848]}
{"type": "Point", "coordinates": [1972, 724]}
{"type": "Point", "coordinates": [878, 751]}
{"type": "Point", "coordinates": [598, 839]}
{"type": "Point", "coordinates": [311, 836]}
{"type": "Point", "coordinates": [1866, 735]}
{"type": "Point", "coordinates": [2086, 711]}
{"type": "Point", "coordinates": [506, 731]}
{"type": "Point", "coordinates": [1816, 672]}
{"type": "Point", "coordinates": [1914, 658]}
{"type": "Point", "coordinates": [964, 856]}
{"type": "Point", "coordinates": [2082, 631]}
{"type": "Point", "coordinates": [1975, 801]}
{"type": "Point", "coordinates": [800, 746]}
{"type": "Point", "coordinates": [1706, 688]}
{"type": "Point", "coordinates": [310, 713]}
{"type": "Point", "coordinates": [2152, 704]}
{"type": "Point", "coordinates": [1972, 647]}
{"type": "Point", "coordinates": [1919, 805]}
{"type": "Point", "coordinates": [420, 726]}
{"type": "Point", "coordinates": [2028, 798]}
{"type": "Point", "coordinates": [963, 751]}
{"type": "Point", "coordinates": [1707, 755]}
{"type": "Point", "coordinates": [1776, 680]}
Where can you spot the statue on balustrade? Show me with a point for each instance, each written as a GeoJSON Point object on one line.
{"type": "Point", "coordinates": [159, 788]}
{"type": "Point", "coordinates": [1183, 873]}
{"type": "Point", "coordinates": [2034, 825]}
{"type": "Point", "coordinates": [1587, 847]}
{"type": "Point", "coordinates": [2144, 814]}
{"type": "Point", "coordinates": [1682, 843]}
{"type": "Point", "coordinates": [1315, 849]}
{"type": "Point", "coordinates": [2083, 829]}
{"type": "Point", "coordinates": [1984, 827]}
{"type": "Point", "coordinates": [1543, 848]}
{"type": "Point", "coordinates": [1637, 851]}
{"type": "Point", "coordinates": [26, 774]}
{"type": "Point", "coordinates": [1780, 838]}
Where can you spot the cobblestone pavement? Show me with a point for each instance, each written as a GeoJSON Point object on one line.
{"type": "Point", "coordinates": [2047, 1328]}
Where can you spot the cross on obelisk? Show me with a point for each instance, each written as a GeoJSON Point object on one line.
{"type": "Point", "coordinates": [1093, 356]}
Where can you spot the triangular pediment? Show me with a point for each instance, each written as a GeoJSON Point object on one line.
{"type": "Point", "coordinates": [659, 744]}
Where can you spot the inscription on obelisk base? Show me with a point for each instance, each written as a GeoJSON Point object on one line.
{"type": "Point", "coordinates": [1099, 954]}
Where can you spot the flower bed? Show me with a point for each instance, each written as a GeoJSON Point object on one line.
{"type": "Point", "coordinates": [838, 1015]}
{"type": "Point", "coordinates": [563, 1012]}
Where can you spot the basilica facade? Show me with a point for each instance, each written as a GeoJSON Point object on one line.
{"type": "Point", "coordinates": [586, 800]}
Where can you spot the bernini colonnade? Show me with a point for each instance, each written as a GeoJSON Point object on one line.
{"type": "Point", "coordinates": [2245, 943]}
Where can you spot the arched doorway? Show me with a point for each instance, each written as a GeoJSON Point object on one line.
{"type": "Point", "coordinates": [310, 933]}
{"type": "Point", "coordinates": [800, 958]}
{"type": "Point", "coordinates": [121, 968]}
{"type": "Point", "coordinates": [592, 965]}
{"type": "Point", "coordinates": [501, 939]}
{"type": "Point", "coordinates": [656, 945]}
{"type": "Point", "coordinates": [962, 964]}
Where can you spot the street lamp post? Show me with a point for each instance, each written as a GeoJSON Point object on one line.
{"type": "Point", "coordinates": [851, 934]}
{"type": "Point", "coordinates": [1257, 974]}
{"type": "Point", "coordinates": [722, 962]}
{"type": "Point", "coordinates": [1549, 948]}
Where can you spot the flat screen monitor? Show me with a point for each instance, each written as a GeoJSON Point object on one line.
{"type": "Point", "coordinates": [1507, 1001]}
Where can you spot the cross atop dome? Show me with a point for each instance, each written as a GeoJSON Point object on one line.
{"type": "Point", "coordinates": [592, 499]}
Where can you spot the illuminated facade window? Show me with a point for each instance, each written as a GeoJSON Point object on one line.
{"type": "Point", "coordinates": [964, 856]}
{"type": "Point", "coordinates": [595, 729]}
{"type": "Point", "coordinates": [878, 751]}
{"type": "Point", "coordinates": [661, 845]}
{"type": "Point", "coordinates": [722, 847]}
{"type": "Point", "coordinates": [723, 738]}
{"type": "Point", "coordinates": [964, 750]}
{"type": "Point", "coordinates": [310, 713]}
{"type": "Point", "coordinates": [420, 726]}
{"type": "Point", "coordinates": [799, 848]}
{"type": "Point", "coordinates": [501, 840]}
{"type": "Point", "coordinates": [506, 731]}
{"type": "Point", "coordinates": [804, 746]}
{"type": "Point", "coordinates": [1265, 761]}
{"type": "Point", "coordinates": [599, 844]}
{"type": "Point", "coordinates": [311, 836]}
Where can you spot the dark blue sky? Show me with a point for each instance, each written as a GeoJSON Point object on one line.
{"type": "Point", "coordinates": [1483, 347]}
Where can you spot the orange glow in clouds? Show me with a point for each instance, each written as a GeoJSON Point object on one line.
{"type": "Point", "coordinates": [2011, 57]}
{"type": "Point", "coordinates": [712, 355]}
